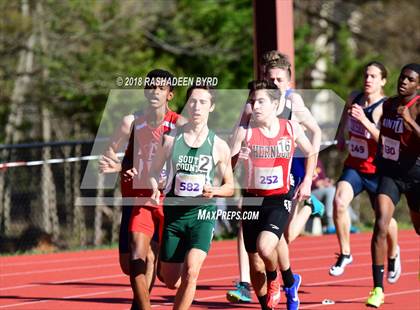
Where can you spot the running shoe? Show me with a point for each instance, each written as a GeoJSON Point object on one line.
{"type": "Point", "coordinates": [376, 298]}
{"type": "Point", "coordinates": [394, 270]}
{"type": "Point", "coordinates": [292, 293]}
{"type": "Point", "coordinates": [273, 292]}
{"type": "Point", "coordinates": [354, 229]}
{"type": "Point", "coordinates": [317, 206]}
{"type": "Point", "coordinates": [242, 293]}
{"type": "Point", "coordinates": [340, 265]}
{"type": "Point", "coordinates": [330, 230]}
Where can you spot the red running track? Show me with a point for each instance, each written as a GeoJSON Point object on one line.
{"type": "Point", "coordinates": [92, 279]}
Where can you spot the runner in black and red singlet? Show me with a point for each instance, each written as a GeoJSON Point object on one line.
{"type": "Point", "coordinates": [398, 167]}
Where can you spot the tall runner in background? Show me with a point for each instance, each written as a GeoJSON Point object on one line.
{"type": "Point", "coordinates": [198, 158]}
{"type": "Point", "coordinates": [292, 107]}
{"type": "Point", "coordinates": [278, 69]}
{"type": "Point", "coordinates": [361, 120]}
{"type": "Point", "coordinates": [398, 168]}
{"type": "Point", "coordinates": [145, 129]}
{"type": "Point", "coordinates": [269, 144]}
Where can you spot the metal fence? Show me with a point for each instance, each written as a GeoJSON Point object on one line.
{"type": "Point", "coordinates": [38, 199]}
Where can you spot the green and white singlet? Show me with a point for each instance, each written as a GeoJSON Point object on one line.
{"type": "Point", "coordinates": [191, 169]}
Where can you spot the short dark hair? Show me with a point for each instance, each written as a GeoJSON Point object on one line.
{"type": "Point", "coordinates": [210, 89]}
{"type": "Point", "coordinates": [275, 59]}
{"type": "Point", "coordinates": [272, 90]}
{"type": "Point", "coordinates": [380, 66]}
{"type": "Point", "coordinates": [413, 66]}
{"type": "Point", "coordinates": [162, 75]}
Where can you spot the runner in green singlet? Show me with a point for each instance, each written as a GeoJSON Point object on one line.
{"type": "Point", "coordinates": [198, 157]}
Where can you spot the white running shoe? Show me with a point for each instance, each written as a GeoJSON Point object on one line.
{"type": "Point", "coordinates": [342, 262]}
{"type": "Point", "coordinates": [394, 275]}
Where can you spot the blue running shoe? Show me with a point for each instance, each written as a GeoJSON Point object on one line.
{"type": "Point", "coordinates": [354, 229]}
{"type": "Point", "coordinates": [241, 294]}
{"type": "Point", "coordinates": [330, 230]}
{"type": "Point", "coordinates": [292, 293]}
{"type": "Point", "coordinates": [317, 206]}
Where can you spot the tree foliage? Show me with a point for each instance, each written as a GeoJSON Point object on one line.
{"type": "Point", "coordinates": [91, 43]}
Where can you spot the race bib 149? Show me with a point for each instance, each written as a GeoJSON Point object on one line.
{"type": "Point", "coordinates": [358, 148]}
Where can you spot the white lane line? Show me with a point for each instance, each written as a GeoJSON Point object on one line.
{"type": "Point", "coordinates": [66, 297]}
{"type": "Point", "coordinates": [222, 255]}
{"type": "Point", "coordinates": [353, 279]}
{"type": "Point", "coordinates": [57, 270]}
{"type": "Point", "coordinates": [113, 256]}
{"type": "Point", "coordinates": [312, 284]}
{"type": "Point", "coordinates": [325, 268]}
{"type": "Point", "coordinates": [363, 298]}
{"type": "Point", "coordinates": [205, 298]}
{"type": "Point", "coordinates": [63, 282]}
{"type": "Point", "coordinates": [64, 260]}
{"type": "Point", "coordinates": [95, 294]}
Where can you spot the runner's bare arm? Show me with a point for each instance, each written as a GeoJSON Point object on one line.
{"type": "Point", "coordinates": [408, 119]}
{"type": "Point", "coordinates": [236, 143]}
{"type": "Point", "coordinates": [109, 161]}
{"type": "Point", "coordinates": [342, 125]}
{"type": "Point", "coordinates": [358, 113]}
{"type": "Point", "coordinates": [305, 117]}
{"type": "Point", "coordinates": [181, 121]}
{"type": "Point", "coordinates": [304, 190]}
{"type": "Point", "coordinates": [162, 155]}
{"type": "Point", "coordinates": [224, 169]}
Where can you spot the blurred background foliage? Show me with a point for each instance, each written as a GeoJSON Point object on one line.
{"type": "Point", "coordinates": [78, 48]}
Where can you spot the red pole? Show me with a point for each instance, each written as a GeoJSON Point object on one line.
{"type": "Point", "coordinates": [273, 30]}
{"type": "Point", "coordinates": [284, 21]}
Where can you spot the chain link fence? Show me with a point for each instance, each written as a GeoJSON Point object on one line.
{"type": "Point", "coordinates": [38, 199]}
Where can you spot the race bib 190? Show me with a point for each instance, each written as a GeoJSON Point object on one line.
{"type": "Point", "coordinates": [189, 185]}
{"type": "Point", "coordinates": [358, 148]}
{"type": "Point", "coordinates": [268, 178]}
{"type": "Point", "coordinates": [390, 148]}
